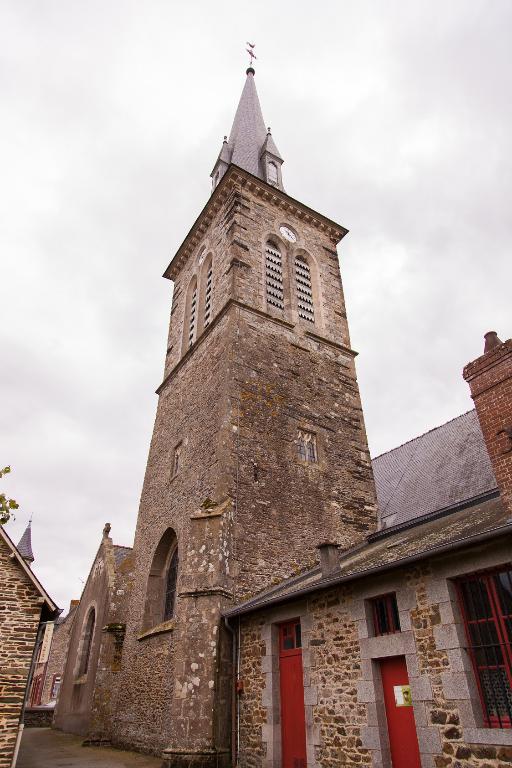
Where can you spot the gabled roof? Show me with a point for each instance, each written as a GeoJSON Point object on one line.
{"type": "Point", "coordinates": [25, 545]}
{"type": "Point", "coordinates": [16, 555]}
{"type": "Point", "coordinates": [435, 471]}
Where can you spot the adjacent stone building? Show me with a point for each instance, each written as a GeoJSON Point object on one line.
{"type": "Point", "coordinates": [96, 633]}
{"type": "Point", "coordinates": [25, 606]}
{"type": "Point", "coordinates": [220, 640]}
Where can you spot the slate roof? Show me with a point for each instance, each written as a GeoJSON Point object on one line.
{"type": "Point", "coordinates": [248, 136]}
{"type": "Point", "coordinates": [481, 521]}
{"type": "Point", "coordinates": [25, 545]}
{"type": "Point", "coordinates": [437, 470]}
{"type": "Point", "coordinates": [121, 553]}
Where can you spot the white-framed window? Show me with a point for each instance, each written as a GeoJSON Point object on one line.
{"type": "Point", "coordinates": [304, 289]}
{"type": "Point", "coordinates": [274, 276]}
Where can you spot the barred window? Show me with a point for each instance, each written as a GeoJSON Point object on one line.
{"type": "Point", "coordinates": [486, 603]}
{"type": "Point", "coordinates": [208, 296]}
{"type": "Point", "coordinates": [304, 289]}
{"type": "Point", "coordinates": [192, 317]}
{"type": "Point", "coordinates": [386, 620]}
{"type": "Point", "coordinates": [306, 446]}
{"type": "Point", "coordinates": [274, 276]}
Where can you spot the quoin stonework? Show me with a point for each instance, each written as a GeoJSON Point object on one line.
{"type": "Point", "coordinates": [287, 601]}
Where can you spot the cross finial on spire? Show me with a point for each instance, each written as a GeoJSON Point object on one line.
{"type": "Point", "coordinates": [251, 53]}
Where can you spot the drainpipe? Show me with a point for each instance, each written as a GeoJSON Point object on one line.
{"type": "Point", "coordinates": [235, 696]}
{"type": "Point", "coordinates": [21, 725]}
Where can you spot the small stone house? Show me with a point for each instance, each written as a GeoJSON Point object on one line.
{"type": "Point", "coordinates": [58, 654]}
{"type": "Point", "coordinates": [398, 651]}
{"type": "Point", "coordinates": [96, 633]}
{"type": "Point", "coordinates": [25, 607]}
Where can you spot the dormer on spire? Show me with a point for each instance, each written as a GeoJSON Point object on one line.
{"type": "Point", "coordinates": [25, 545]}
{"type": "Point", "coordinates": [250, 144]}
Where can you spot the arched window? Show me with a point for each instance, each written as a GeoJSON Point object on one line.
{"type": "Point", "coordinates": [192, 317]}
{"type": "Point", "coordinates": [304, 289]}
{"type": "Point", "coordinates": [170, 586]}
{"type": "Point", "coordinates": [208, 294]}
{"type": "Point", "coordinates": [274, 276]}
{"type": "Point", "coordinates": [273, 176]}
{"type": "Point", "coordinates": [87, 642]}
{"type": "Point", "coordinates": [162, 581]}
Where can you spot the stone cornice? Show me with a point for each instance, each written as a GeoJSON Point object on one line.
{"type": "Point", "coordinates": [237, 177]}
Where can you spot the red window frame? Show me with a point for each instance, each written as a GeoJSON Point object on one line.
{"type": "Point", "coordinates": [290, 637]}
{"type": "Point", "coordinates": [489, 639]}
{"type": "Point", "coordinates": [390, 608]}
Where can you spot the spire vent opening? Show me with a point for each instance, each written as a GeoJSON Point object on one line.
{"type": "Point", "coordinates": [274, 277]}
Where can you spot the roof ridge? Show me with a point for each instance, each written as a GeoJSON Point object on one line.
{"type": "Point", "coordinates": [418, 437]}
{"type": "Point", "coordinates": [122, 546]}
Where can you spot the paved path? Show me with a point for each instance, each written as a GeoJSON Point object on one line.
{"type": "Point", "coordinates": [46, 748]}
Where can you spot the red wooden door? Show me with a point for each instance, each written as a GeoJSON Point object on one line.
{"type": "Point", "coordinates": [403, 740]}
{"type": "Point", "coordinates": [293, 722]}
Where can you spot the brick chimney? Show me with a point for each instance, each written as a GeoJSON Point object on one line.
{"type": "Point", "coordinates": [490, 380]}
{"type": "Point", "coordinates": [329, 558]}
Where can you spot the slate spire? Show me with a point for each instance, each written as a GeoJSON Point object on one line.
{"type": "Point", "coordinates": [250, 144]}
{"type": "Point", "coordinates": [25, 544]}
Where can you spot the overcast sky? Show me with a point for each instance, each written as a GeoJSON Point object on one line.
{"type": "Point", "coordinates": [394, 119]}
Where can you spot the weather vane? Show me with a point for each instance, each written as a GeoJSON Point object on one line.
{"type": "Point", "coordinates": [250, 51]}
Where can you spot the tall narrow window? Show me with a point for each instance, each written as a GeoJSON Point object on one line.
{"type": "Point", "coordinates": [170, 586]}
{"type": "Point", "coordinates": [192, 317]}
{"type": "Point", "coordinates": [386, 620]}
{"type": "Point", "coordinates": [486, 601]}
{"type": "Point", "coordinates": [274, 276]}
{"type": "Point", "coordinates": [306, 446]}
{"type": "Point", "coordinates": [304, 289]}
{"type": "Point", "coordinates": [272, 173]}
{"type": "Point", "coordinates": [208, 296]}
{"type": "Point", "coordinates": [87, 642]}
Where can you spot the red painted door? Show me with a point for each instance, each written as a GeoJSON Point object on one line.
{"type": "Point", "coordinates": [293, 723]}
{"type": "Point", "coordinates": [403, 740]}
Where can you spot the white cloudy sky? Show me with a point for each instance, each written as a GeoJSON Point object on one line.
{"type": "Point", "coordinates": [394, 118]}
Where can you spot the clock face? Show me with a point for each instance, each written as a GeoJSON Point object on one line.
{"type": "Point", "coordinates": [288, 233]}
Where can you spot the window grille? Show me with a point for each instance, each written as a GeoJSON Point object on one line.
{"type": "Point", "coordinates": [304, 289]}
{"type": "Point", "coordinates": [193, 315]}
{"type": "Point", "coordinates": [208, 296]}
{"type": "Point", "coordinates": [170, 586]}
{"type": "Point", "coordinates": [306, 446]}
{"type": "Point", "coordinates": [87, 642]}
{"type": "Point", "coordinates": [386, 620]}
{"type": "Point", "coordinates": [486, 602]}
{"type": "Point", "coordinates": [274, 277]}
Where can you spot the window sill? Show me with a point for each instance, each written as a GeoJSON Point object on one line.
{"type": "Point", "coordinates": [494, 736]}
{"type": "Point", "coordinates": [159, 629]}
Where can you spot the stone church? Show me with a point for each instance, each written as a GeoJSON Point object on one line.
{"type": "Point", "coordinates": [287, 602]}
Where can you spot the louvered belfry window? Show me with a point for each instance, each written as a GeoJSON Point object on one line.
{"type": "Point", "coordinates": [193, 317]}
{"type": "Point", "coordinates": [208, 296]}
{"type": "Point", "coordinates": [274, 276]}
{"type": "Point", "coordinates": [486, 602]}
{"type": "Point", "coordinates": [304, 289]}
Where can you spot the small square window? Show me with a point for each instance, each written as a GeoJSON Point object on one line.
{"type": "Point", "coordinates": [386, 620]}
{"type": "Point", "coordinates": [306, 446]}
{"type": "Point", "coordinates": [176, 460]}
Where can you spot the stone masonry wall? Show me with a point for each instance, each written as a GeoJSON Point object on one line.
{"type": "Point", "coordinates": [20, 611]}
{"type": "Point", "coordinates": [345, 714]}
{"type": "Point", "coordinates": [58, 654]}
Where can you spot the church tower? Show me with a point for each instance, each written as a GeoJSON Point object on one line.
{"type": "Point", "coordinates": [259, 451]}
